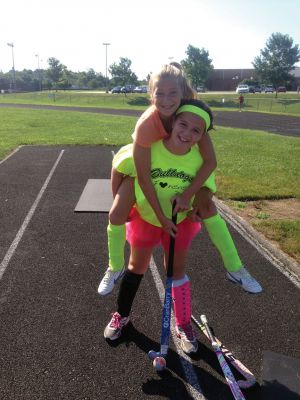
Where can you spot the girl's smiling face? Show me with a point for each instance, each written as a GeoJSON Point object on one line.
{"type": "Point", "coordinates": [188, 129]}
{"type": "Point", "coordinates": [166, 97]}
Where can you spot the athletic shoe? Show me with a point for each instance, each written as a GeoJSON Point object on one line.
{"type": "Point", "coordinates": [187, 338]}
{"type": "Point", "coordinates": [109, 280]}
{"type": "Point", "coordinates": [114, 329]}
{"type": "Point", "coordinates": [244, 279]}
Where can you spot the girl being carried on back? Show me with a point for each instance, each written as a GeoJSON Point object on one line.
{"type": "Point", "coordinates": [167, 88]}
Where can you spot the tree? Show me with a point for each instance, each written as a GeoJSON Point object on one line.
{"type": "Point", "coordinates": [65, 81]}
{"type": "Point", "coordinates": [55, 72]}
{"type": "Point", "coordinates": [4, 81]}
{"type": "Point", "coordinates": [277, 60]}
{"type": "Point", "coordinates": [26, 80]}
{"type": "Point", "coordinates": [197, 65]}
{"type": "Point", "coordinates": [122, 74]}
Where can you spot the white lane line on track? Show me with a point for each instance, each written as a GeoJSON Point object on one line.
{"type": "Point", "coordinates": [27, 219]}
{"type": "Point", "coordinates": [191, 382]}
{"type": "Point", "coordinates": [11, 154]}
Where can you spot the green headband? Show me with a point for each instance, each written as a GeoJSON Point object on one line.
{"type": "Point", "coordinates": [195, 110]}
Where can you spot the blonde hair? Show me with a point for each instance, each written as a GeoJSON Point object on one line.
{"type": "Point", "coordinates": [173, 70]}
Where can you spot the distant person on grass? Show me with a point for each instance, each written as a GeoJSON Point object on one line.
{"type": "Point", "coordinates": [167, 88]}
{"type": "Point", "coordinates": [241, 101]}
{"type": "Point", "coordinates": [175, 161]}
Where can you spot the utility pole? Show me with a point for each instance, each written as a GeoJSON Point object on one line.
{"type": "Point", "coordinates": [106, 44]}
{"type": "Point", "coordinates": [13, 61]}
{"type": "Point", "coordinates": [39, 72]}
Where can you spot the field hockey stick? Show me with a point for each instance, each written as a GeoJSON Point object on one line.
{"type": "Point", "coordinates": [234, 387]}
{"type": "Point", "coordinates": [238, 365]}
{"type": "Point", "coordinates": [159, 358]}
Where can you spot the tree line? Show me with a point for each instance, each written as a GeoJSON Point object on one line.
{"type": "Point", "coordinates": [273, 66]}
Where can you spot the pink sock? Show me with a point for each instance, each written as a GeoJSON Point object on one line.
{"type": "Point", "coordinates": [182, 303]}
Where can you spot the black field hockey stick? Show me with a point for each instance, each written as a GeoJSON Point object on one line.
{"type": "Point", "coordinates": [159, 358]}
{"type": "Point", "coordinates": [237, 364]}
{"type": "Point", "coordinates": [234, 387]}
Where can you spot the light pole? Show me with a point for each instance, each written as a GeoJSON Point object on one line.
{"type": "Point", "coordinates": [13, 60]}
{"type": "Point", "coordinates": [106, 44]}
{"type": "Point", "coordinates": [39, 71]}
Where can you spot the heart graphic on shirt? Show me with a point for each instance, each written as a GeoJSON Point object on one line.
{"type": "Point", "coordinates": [163, 184]}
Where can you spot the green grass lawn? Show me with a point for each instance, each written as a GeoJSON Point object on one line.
{"type": "Point", "coordinates": [286, 103]}
{"type": "Point", "coordinates": [255, 164]}
{"type": "Point", "coordinates": [285, 232]}
{"type": "Point", "coordinates": [85, 99]}
{"type": "Point", "coordinates": [22, 126]}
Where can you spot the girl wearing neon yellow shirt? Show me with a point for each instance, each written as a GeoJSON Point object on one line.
{"type": "Point", "coordinates": [174, 162]}
{"type": "Point", "coordinates": [167, 88]}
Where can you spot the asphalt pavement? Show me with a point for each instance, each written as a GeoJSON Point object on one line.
{"type": "Point", "coordinates": [52, 320]}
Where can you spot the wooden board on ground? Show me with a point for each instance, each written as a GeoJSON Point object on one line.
{"type": "Point", "coordinates": [96, 196]}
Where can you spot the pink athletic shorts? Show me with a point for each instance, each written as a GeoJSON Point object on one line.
{"type": "Point", "coordinates": [140, 233]}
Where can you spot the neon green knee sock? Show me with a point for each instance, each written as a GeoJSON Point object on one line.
{"type": "Point", "coordinates": [221, 238]}
{"type": "Point", "coordinates": [116, 236]}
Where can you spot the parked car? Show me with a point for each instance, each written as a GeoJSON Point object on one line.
{"type": "Point", "coordinates": [201, 89]}
{"type": "Point", "coordinates": [124, 89]}
{"type": "Point", "coordinates": [127, 89]}
{"type": "Point", "coordinates": [254, 89]}
{"type": "Point", "coordinates": [269, 89]}
{"type": "Point", "coordinates": [242, 88]}
{"type": "Point", "coordinates": [131, 88]}
{"type": "Point", "coordinates": [116, 89]}
{"type": "Point", "coordinates": [281, 89]}
{"type": "Point", "coordinates": [141, 89]}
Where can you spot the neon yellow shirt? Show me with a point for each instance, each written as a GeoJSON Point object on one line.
{"type": "Point", "coordinates": [123, 161]}
{"type": "Point", "coordinates": [170, 174]}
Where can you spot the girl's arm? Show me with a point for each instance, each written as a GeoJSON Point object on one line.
{"type": "Point", "coordinates": [142, 160]}
{"type": "Point", "coordinates": [115, 179]}
{"type": "Point", "coordinates": [209, 165]}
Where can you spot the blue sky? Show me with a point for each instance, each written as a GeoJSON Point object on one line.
{"type": "Point", "coordinates": [149, 33]}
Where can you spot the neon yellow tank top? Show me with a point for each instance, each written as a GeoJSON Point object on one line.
{"type": "Point", "coordinates": [170, 175]}
{"type": "Point", "coordinates": [167, 180]}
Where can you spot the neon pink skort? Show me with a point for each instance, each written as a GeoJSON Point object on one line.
{"type": "Point", "coordinates": [140, 233]}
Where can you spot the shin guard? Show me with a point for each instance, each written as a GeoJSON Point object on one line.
{"type": "Point", "coordinates": [182, 302]}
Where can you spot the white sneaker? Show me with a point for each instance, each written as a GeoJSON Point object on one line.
{"type": "Point", "coordinates": [188, 340]}
{"type": "Point", "coordinates": [244, 279]}
{"type": "Point", "coordinates": [109, 280]}
{"type": "Point", "coordinates": [114, 328]}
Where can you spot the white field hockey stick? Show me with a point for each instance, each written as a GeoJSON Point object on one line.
{"type": "Point", "coordinates": [237, 364]}
{"type": "Point", "coordinates": [234, 387]}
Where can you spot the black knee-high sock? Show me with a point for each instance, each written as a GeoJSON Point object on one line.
{"type": "Point", "coordinates": [128, 288]}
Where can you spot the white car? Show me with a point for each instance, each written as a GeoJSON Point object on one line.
{"type": "Point", "coordinates": [242, 89]}
{"type": "Point", "coordinates": [140, 89]}
{"type": "Point", "coordinates": [269, 89]}
{"type": "Point", "coordinates": [200, 89]}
